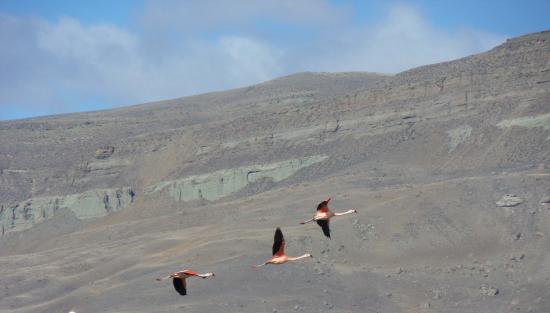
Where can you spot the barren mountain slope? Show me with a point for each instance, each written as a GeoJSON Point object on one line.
{"type": "Point", "coordinates": [56, 155]}
{"type": "Point", "coordinates": [95, 206]}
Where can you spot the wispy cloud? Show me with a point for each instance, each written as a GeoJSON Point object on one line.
{"type": "Point", "coordinates": [404, 39]}
{"type": "Point", "coordinates": [182, 48]}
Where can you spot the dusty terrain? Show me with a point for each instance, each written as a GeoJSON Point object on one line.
{"type": "Point", "coordinates": [95, 206]}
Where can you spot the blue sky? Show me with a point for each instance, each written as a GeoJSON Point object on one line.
{"type": "Point", "coordinates": [69, 56]}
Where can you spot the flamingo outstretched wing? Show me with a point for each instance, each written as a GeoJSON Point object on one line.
{"type": "Point", "coordinates": [325, 226]}
{"type": "Point", "coordinates": [180, 285]}
{"type": "Point", "coordinates": [278, 243]}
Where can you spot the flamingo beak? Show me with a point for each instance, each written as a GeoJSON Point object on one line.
{"type": "Point", "coordinates": [328, 200]}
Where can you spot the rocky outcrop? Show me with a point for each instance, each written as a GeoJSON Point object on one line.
{"type": "Point", "coordinates": [488, 291]}
{"type": "Point", "coordinates": [104, 152]}
{"type": "Point", "coordinates": [215, 185]}
{"type": "Point", "coordinates": [509, 201]}
{"type": "Point", "coordinates": [458, 135]}
{"type": "Point", "coordinates": [542, 121]}
{"type": "Point", "coordinates": [89, 204]}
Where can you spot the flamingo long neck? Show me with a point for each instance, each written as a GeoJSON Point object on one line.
{"type": "Point", "coordinates": [344, 213]}
{"type": "Point", "coordinates": [206, 275]}
{"type": "Point", "coordinates": [299, 257]}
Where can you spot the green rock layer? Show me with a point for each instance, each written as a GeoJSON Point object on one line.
{"type": "Point", "coordinates": [215, 185]}
{"type": "Point", "coordinates": [89, 204]}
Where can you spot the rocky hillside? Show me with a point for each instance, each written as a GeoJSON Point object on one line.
{"type": "Point", "coordinates": [447, 164]}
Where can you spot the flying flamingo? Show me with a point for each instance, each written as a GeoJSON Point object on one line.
{"type": "Point", "coordinates": [179, 279]}
{"type": "Point", "coordinates": [323, 216]}
{"type": "Point", "coordinates": [278, 250]}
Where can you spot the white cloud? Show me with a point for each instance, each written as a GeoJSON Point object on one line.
{"type": "Point", "coordinates": [183, 48]}
{"type": "Point", "coordinates": [248, 61]}
{"type": "Point", "coordinates": [63, 63]}
{"type": "Point", "coordinates": [403, 39]}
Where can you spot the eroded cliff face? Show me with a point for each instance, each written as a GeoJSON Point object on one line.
{"type": "Point", "coordinates": [541, 121]}
{"type": "Point", "coordinates": [90, 204]}
{"type": "Point", "coordinates": [215, 185]}
{"type": "Point", "coordinates": [101, 202]}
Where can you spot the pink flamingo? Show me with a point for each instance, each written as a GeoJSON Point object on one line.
{"type": "Point", "coordinates": [179, 279]}
{"type": "Point", "coordinates": [278, 250]}
{"type": "Point", "coordinates": [323, 216]}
